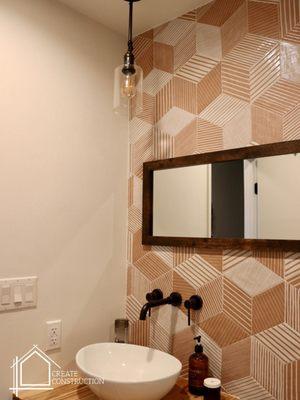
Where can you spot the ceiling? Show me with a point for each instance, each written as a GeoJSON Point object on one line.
{"type": "Point", "coordinates": [147, 13]}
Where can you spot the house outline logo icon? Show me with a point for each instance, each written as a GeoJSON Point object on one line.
{"type": "Point", "coordinates": [17, 367]}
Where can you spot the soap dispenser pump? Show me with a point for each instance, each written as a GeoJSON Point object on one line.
{"type": "Point", "coordinates": [198, 369]}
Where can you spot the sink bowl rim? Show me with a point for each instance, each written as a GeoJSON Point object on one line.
{"type": "Point", "coordinates": [85, 371]}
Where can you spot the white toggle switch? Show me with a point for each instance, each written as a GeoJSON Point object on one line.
{"type": "Point", "coordinates": [29, 293]}
{"type": "Point", "coordinates": [17, 294]}
{"type": "Point", "coordinates": [5, 295]}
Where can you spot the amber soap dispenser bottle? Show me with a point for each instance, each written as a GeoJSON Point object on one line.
{"type": "Point", "coordinates": [198, 369]}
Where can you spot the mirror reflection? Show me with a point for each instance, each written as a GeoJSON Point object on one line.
{"type": "Point", "coordinates": [252, 199]}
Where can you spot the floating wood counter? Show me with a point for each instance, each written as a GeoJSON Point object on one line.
{"type": "Point", "coordinates": [82, 392]}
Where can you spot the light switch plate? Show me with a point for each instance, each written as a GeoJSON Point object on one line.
{"type": "Point", "coordinates": [18, 293]}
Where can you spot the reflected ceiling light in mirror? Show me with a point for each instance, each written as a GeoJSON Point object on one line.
{"type": "Point", "coordinates": [128, 84]}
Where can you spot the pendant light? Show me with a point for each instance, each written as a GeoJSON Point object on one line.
{"type": "Point", "coordinates": [128, 86]}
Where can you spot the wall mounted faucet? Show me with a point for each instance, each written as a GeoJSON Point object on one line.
{"type": "Point", "coordinates": [195, 303]}
{"type": "Point", "coordinates": [156, 299]}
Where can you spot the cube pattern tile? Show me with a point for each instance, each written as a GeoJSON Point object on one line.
{"type": "Point", "coordinates": [221, 76]}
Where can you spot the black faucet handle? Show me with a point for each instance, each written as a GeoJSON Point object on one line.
{"type": "Point", "coordinates": [175, 299]}
{"type": "Point", "coordinates": [195, 303]}
{"type": "Point", "coordinates": [155, 295]}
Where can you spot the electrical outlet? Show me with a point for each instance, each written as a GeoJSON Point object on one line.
{"type": "Point", "coordinates": [53, 335]}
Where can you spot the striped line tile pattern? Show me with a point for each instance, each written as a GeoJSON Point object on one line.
{"type": "Point", "coordinates": [251, 67]}
{"type": "Point", "coordinates": [221, 76]}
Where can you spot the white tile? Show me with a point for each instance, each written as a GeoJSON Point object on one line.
{"type": "Point", "coordinates": [209, 43]}
{"type": "Point", "coordinates": [253, 277]}
{"type": "Point", "coordinates": [174, 121]}
{"type": "Point", "coordinates": [155, 81]}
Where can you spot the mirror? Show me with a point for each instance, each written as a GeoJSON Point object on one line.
{"type": "Point", "coordinates": [254, 199]}
{"type": "Point", "coordinates": [232, 198]}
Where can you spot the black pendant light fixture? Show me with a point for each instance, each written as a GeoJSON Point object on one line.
{"type": "Point", "coordinates": [128, 91]}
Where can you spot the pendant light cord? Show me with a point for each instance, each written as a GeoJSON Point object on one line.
{"type": "Point", "coordinates": [130, 42]}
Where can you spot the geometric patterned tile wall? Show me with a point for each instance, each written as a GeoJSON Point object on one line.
{"type": "Point", "coordinates": [222, 76]}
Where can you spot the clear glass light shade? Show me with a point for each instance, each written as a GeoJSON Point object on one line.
{"type": "Point", "coordinates": [128, 91]}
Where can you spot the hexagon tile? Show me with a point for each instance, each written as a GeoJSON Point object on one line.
{"type": "Point", "coordinates": [221, 76]}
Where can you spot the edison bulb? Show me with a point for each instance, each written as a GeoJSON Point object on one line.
{"type": "Point", "coordinates": [128, 86]}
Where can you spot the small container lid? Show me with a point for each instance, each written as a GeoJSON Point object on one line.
{"type": "Point", "coordinates": [121, 323]}
{"type": "Point", "coordinates": [212, 383]}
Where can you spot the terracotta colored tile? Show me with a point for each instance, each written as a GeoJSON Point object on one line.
{"type": "Point", "coordinates": [203, 10]}
{"type": "Point", "coordinates": [139, 284]}
{"type": "Point", "coordinates": [139, 333]}
{"type": "Point", "coordinates": [234, 29]}
{"type": "Point", "coordinates": [164, 100]}
{"type": "Point", "coordinates": [291, 124]}
{"type": "Point", "coordinates": [163, 57]}
{"type": "Point", "coordinates": [190, 16]}
{"type": "Point", "coordinates": [151, 266]}
{"type": "Point", "coordinates": [292, 312]}
{"type": "Point", "coordinates": [209, 88]}
{"type": "Point", "coordinates": [185, 95]}
{"type": "Point", "coordinates": [147, 113]}
{"type": "Point", "coordinates": [138, 128]}
{"type": "Point", "coordinates": [236, 361]}
{"type": "Point", "coordinates": [138, 249]}
{"type": "Point", "coordinates": [183, 346]}
{"type": "Point", "coordinates": [238, 131]}
{"type": "Point", "coordinates": [163, 145]}
{"type": "Point", "coordinates": [156, 81]}
{"type": "Point", "coordinates": [165, 253]}
{"type": "Point", "coordinates": [182, 254]}
{"type": "Point", "coordinates": [145, 60]}
{"type": "Point", "coordinates": [282, 341]}
{"type": "Point", "coordinates": [231, 258]}
{"type": "Point", "coordinates": [214, 257]}
{"type": "Point", "coordinates": [268, 309]}
{"type": "Point", "coordinates": [273, 259]}
{"type": "Point", "coordinates": [197, 271]}
{"type": "Point", "coordinates": [159, 337]}
{"type": "Point", "coordinates": [183, 287]}
{"type": "Point", "coordinates": [292, 269]}
{"type": "Point", "coordinates": [220, 12]}
{"type": "Point", "coordinates": [133, 307]}
{"type": "Point", "coordinates": [142, 151]}
{"type": "Point", "coordinates": [266, 126]}
{"type": "Point", "coordinates": [237, 305]}
{"type": "Point", "coordinates": [267, 369]}
{"type": "Point", "coordinates": [185, 141]}
{"type": "Point", "coordinates": [293, 382]}
{"type": "Point", "coordinates": [134, 219]}
{"type": "Point", "coordinates": [248, 388]}
{"type": "Point", "coordinates": [223, 330]}
{"type": "Point", "coordinates": [251, 67]}
{"type": "Point", "coordinates": [149, 34]}
{"type": "Point", "coordinates": [264, 19]}
{"type": "Point", "coordinates": [212, 296]}
{"type": "Point", "coordinates": [209, 137]}
{"type": "Point", "coordinates": [164, 282]}
{"type": "Point", "coordinates": [290, 20]}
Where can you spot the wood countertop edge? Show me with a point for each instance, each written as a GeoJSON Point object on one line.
{"type": "Point", "coordinates": [82, 392]}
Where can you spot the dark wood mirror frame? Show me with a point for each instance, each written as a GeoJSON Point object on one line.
{"type": "Point", "coordinates": [273, 149]}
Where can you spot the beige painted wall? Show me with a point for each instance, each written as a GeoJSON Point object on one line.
{"type": "Point", "coordinates": [63, 167]}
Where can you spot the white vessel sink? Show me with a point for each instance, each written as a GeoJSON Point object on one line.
{"type": "Point", "coordinates": [129, 372]}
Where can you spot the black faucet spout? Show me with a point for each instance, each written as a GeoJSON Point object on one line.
{"type": "Point", "coordinates": [144, 311]}
{"type": "Point", "coordinates": [174, 299]}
